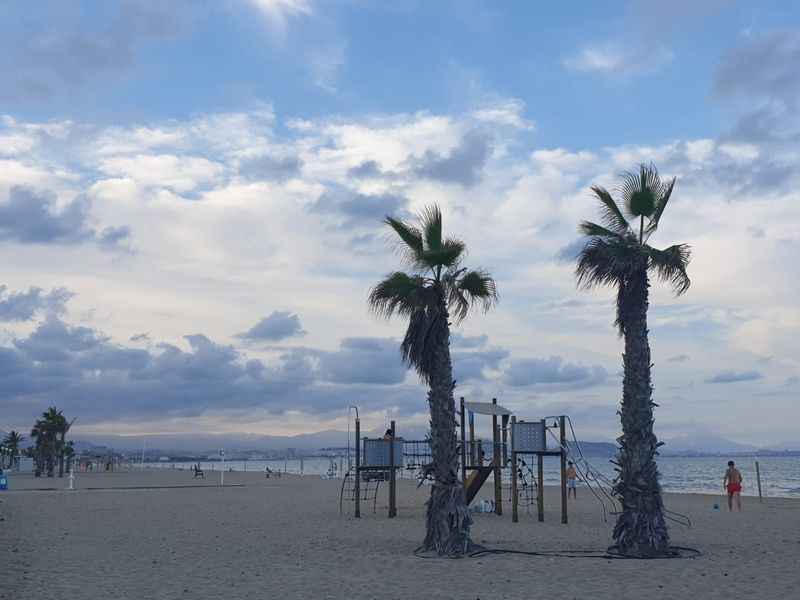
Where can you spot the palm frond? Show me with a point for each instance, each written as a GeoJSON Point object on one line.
{"type": "Point", "coordinates": [605, 262]}
{"type": "Point", "coordinates": [611, 214]}
{"type": "Point", "coordinates": [593, 229]}
{"type": "Point", "coordinates": [661, 204]}
{"type": "Point", "coordinates": [410, 235]}
{"type": "Point", "coordinates": [670, 266]}
{"type": "Point", "coordinates": [475, 287]}
{"type": "Point", "coordinates": [640, 191]}
{"type": "Point", "coordinates": [448, 255]}
{"type": "Point", "coordinates": [431, 221]}
{"type": "Point", "coordinates": [399, 293]}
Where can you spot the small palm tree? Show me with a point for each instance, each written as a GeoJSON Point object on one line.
{"type": "Point", "coordinates": [617, 254]}
{"type": "Point", "coordinates": [12, 441]}
{"type": "Point", "coordinates": [436, 289]}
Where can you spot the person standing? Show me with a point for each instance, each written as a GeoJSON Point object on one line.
{"type": "Point", "coordinates": [572, 481]}
{"type": "Point", "coordinates": [733, 485]}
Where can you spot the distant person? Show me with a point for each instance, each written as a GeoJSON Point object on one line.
{"type": "Point", "coordinates": [572, 481]}
{"type": "Point", "coordinates": [733, 485]}
{"type": "Point", "coordinates": [388, 435]}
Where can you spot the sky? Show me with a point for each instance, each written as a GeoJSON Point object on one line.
{"type": "Point", "coordinates": [191, 196]}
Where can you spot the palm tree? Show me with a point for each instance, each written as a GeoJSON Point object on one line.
{"type": "Point", "coordinates": [618, 255]}
{"type": "Point", "coordinates": [436, 289]}
{"type": "Point", "coordinates": [12, 441]}
{"type": "Point", "coordinates": [46, 432]}
{"type": "Point", "coordinates": [62, 427]}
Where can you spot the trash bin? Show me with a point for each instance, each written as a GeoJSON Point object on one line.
{"type": "Point", "coordinates": [3, 482]}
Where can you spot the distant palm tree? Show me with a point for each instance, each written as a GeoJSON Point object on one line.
{"type": "Point", "coordinates": [617, 254]}
{"type": "Point", "coordinates": [49, 432]}
{"type": "Point", "coordinates": [436, 285]}
{"type": "Point", "coordinates": [12, 441]}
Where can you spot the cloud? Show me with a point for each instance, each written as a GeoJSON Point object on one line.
{"type": "Point", "coordinates": [31, 217]}
{"type": "Point", "coordinates": [364, 360]}
{"type": "Point", "coordinates": [735, 376]}
{"type": "Point", "coordinates": [507, 112]}
{"type": "Point", "coordinates": [570, 252]}
{"type": "Point", "coordinates": [279, 12]}
{"type": "Point", "coordinates": [355, 208]}
{"type": "Point", "coordinates": [472, 365]}
{"type": "Point", "coordinates": [612, 59]}
{"type": "Point", "coordinates": [272, 167]}
{"type": "Point", "coordinates": [457, 340]}
{"type": "Point", "coordinates": [760, 75]}
{"type": "Point", "coordinates": [462, 165]}
{"type": "Point", "coordinates": [50, 54]}
{"type": "Point", "coordinates": [678, 358]}
{"type": "Point", "coordinates": [552, 371]}
{"type": "Point", "coordinates": [179, 173]}
{"type": "Point", "coordinates": [280, 325]}
{"type": "Point", "coordinates": [24, 306]}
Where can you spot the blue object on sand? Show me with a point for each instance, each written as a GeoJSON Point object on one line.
{"type": "Point", "coordinates": [716, 506]}
{"type": "Point", "coordinates": [3, 482]}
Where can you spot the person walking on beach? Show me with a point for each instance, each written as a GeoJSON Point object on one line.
{"type": "Point", "coordinates": [572, 481]}
{"type": "Point", "coordinates": [733, 485]}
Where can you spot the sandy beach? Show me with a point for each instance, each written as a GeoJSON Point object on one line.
{"type": "Point", "coordinates": [161, 534]}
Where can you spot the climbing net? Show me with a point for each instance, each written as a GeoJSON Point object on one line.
{"type": "Point", "coordinates": [368, 489]}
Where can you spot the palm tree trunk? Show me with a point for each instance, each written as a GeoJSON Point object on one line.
{"type": "Point", "coordinates": [448, 520]}
{"type": "Point", "coordinates": [641, 529]}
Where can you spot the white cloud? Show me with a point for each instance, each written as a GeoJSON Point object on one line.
{"type": "Point", "coordinates": [613, 59]}
{"type": "Point", "coordinates": [179, 173]}
{"type": "Point", "coordinates": [279, 12]}
{"type": "Point", "coordinates": [507, 112]}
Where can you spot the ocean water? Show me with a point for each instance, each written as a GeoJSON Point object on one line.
{"type": "Point", "coordinates": [780, 475]}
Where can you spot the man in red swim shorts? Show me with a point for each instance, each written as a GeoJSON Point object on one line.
{"type": "Point", "coordinates": [733, 485]}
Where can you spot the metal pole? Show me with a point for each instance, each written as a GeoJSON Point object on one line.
{"type": "Point", "coordinates": [540, 477]}
{"type": "Point", "coordinates": [392, 479]}
{"type": "Point", "coordinates": [357, 486]}
{"type": "Point", "coordinates": [498, 489]}
{"type": "Point", "coordinates": [472, 450]}
{"type": "Point", "coordinates": [222, 470]}
{"type": "Point", "coordinates": [563, 440]}
{"type": "Point", "coordinates": [758, 479]}
{"type": "Point", "coordinates": [301, 465]}
{"type": "Point", "coordinates": [514, 493]}
{"type": "Point", "coordinates": [463, 444]}
{"type": "Point", "coordinates": [505, 439]}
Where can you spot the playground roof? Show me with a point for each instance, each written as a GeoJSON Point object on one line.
{"type": "Point", "coordinates": [487, 408]}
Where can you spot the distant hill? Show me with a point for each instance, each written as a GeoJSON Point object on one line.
{"type": "Point", "coordinates": [704, 444]}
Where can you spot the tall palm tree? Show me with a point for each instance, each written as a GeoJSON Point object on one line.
{"type": "Point", "coordinates": [62, 427]}
{"type": "Point", "coordinates": [12, 441]}
{"type": "Point", "coordinates": [437, 288]}
{"type": "Point", "coordinates": [617, 254]}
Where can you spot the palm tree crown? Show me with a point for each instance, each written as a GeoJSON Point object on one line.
{"type": "Point", "coordinates": [437, 278]}
{"type": "Point", "coordinates": [616, 250]}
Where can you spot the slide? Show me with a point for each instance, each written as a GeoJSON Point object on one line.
{"type": "Point", "coordinates": [475, 481]}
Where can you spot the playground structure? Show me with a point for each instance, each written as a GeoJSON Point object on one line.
{"type": "Point", "coordinates": [380, 460]}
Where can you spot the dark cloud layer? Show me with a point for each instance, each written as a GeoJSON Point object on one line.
{"type": "Point", "coordinates": [86, 374]}
{"type": "Point", "coordinates": [24, 306]}
{"type": "Point", "coordinates": [354, 208]}
{"type": "Point", "coordinates": [32, 217]}
{"type": "Point", "coordinates": [273, 168]}
{"type": "Point", "coordinates": [735, 377]}
{"type": "Point", "coordinates": [553, 371]}
{"type": "Point", "coordinates": [463, 165]}
{"type": "Point", "coordinates": [364, 360]}
{"type": "Point", "coordinates": [280, 325]}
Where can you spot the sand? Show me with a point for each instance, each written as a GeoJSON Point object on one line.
{"type": "Point", "coordinates": [285, 538]}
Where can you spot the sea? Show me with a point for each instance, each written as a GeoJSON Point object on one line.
{"type": "Point", "coordinates": [780, 475]}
